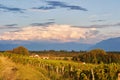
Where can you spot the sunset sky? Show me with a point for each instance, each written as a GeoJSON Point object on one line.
{"type": "Point", "coordinates": [83, 21]}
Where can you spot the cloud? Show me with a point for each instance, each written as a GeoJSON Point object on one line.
{"type": "Point", "coordinates": [57, 4]}
{"type": "Point", "coordinates": [64, 5]}
{"type": "Point", "coordinates": [42, 24]}
{"type": "Point", "coordinates": [106, 25]}
{"type": "Point", "coordinates": [10, 9]}
{"type": "Point", "coordinates": [8, 27]}
{"type": "Point", "coordinates": [98, 20]}
{"type": "Point", "coordinates": [100, 26]}
{"type": "Point", "coordinates": [60, 33]}
{"type": "Point", "coordinates": [51, 19]}
{"type": "Point", "coordinates": [44, 8]}
{"type": "Point", "coordinates": [11, 25]}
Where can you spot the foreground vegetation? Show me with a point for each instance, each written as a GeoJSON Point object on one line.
{"type": "Point", "coordinates": [19, 67]}
{"type": "Point", "coordinates": [15, 71]}
{"type": "Point", "coordinates": [15, 66]}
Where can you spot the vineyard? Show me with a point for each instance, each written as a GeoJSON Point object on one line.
{"type": "Point", "coordinates": [67, 70]}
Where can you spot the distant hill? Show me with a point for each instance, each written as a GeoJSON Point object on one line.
{"type": "Point", "coordinates": [112, 44]}
{"type": "Point", "coordinates": [37, 45]}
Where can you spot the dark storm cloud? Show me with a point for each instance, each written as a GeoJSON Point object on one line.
{"type": "Point", "coordinates": [10, 9]}
{"type": "Point", "coordinates": [42, 24]}
{"type": "Point", "coordinates": [57, 4]}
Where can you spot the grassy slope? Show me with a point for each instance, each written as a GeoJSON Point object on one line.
{"type": "Point", "coordinates": [11, 71]}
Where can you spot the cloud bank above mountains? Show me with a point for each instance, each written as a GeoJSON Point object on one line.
{"type": "Point", "coordinates": [53, 32]}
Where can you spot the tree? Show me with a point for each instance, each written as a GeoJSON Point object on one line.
{"type": "Point", "coordinates": [93, 56]}
{"type": "Point", "coordinates": [97, 55]}
{"type": "Point", "coordinates": [97, 52]}
{"type": "Point", "coordinates": [20, 50]}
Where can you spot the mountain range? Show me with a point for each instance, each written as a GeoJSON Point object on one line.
{"type": "Point", "coordinates": [111, 44]}
{"type": "Point", "coordinates": [37, 45]}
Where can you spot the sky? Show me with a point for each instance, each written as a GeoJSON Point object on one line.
{"type": "Point", "coordinates": [81, 21]}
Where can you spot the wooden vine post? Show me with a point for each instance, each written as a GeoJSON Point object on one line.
{"type": "Point", "coordinates": [93, 77]}
{"type": "Point", "coordinates": [118, 75]}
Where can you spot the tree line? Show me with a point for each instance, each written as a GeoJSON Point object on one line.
{"type": "Point", "coordinates": [98, 56]}
{"type": "Point", "coordinates": [95, 56]}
